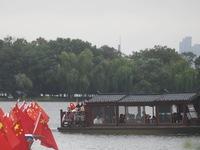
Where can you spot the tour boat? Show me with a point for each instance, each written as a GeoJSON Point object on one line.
{"type": "Point", "coordinates": [166, 113]}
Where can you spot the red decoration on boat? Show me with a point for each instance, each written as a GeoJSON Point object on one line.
{"type": "Point", "coordinates": [72, 106]}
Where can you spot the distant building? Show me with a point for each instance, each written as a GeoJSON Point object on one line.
{"type": "Point", "coordinates": [196, 49]}
{"type": "Point", "coordinates": [186, 46]}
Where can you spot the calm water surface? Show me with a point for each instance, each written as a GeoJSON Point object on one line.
{"type": "Point", "coordinates": [107, 142]}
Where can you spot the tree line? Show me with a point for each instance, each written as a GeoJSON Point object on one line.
{"type": "Point", "coordinates": [69, 66]}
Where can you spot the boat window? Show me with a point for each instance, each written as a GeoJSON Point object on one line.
{"type": "Point", "coordinates": [104, 114]}
{"type": "Point", "coordinates": [192, 112]}
{"type": "Point", "coordinates": [164, 113]}
{"type": "Point", "coordinates": [132, 112]}
{"type": "Point", "coordinates": [140, 114]}
{"type": "Point", "coordinates": [122, 117]}
{"type": "Point", "coordinates": [135, 114]}
{"type": "Point", "coordinates": [177, 114]}
{"type": "Point", "coordinates": [150, 116]}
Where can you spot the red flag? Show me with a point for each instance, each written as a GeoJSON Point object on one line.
{"type": "Point", "coordinates": [43, 129]}
{"type": "Point", "coordinates": [44, 114]}
{"type": "Point", "coordinates": [34, 110]}
{"type": "Point", "coordinates": [1, 113]}
{"type": "Point", "coordinates": [23, 106]}
{"type": "Point", "coordinates": [9, 135]}
{"type": "Point", "coordinates": [19, 133]}
{"type": "Point", "coordinates": [12, 114]}
{"type": "Point", "coordinates": [32, 113]}
{"type": "Point", "coordinates": [7, 119]}
{"type": "Point", "coordinates": [4, 143]}
{"type": "Point", "coordinates": [26, 121]}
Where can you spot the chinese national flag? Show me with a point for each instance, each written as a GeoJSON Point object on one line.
{"type": "Point", "coordinates": [26, 121]}
{"type": "Point", "coordinates": [12, 114]}
{"type": "Point", "coordinates": [6, 119]}
{"type": "Point", "coordinates": [9, 135]}
{"type": "Point", "coordinates": [4, 143]}
{"type": "Point", "coordinates": [43, 129]}
{"type": "Point", "coordinates": [1, 113]}
{"type": "Point", "coordinates": [19, 133]}
{"type": "Point", "coordinates": [44, 114]}
{"type": "Point", "coordinates": [23, 107]}
{"type": "Point", "coordinates": [33, 111]}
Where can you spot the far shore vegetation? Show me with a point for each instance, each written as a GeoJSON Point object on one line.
{"type": "Point", "coordinates": [66, 67]}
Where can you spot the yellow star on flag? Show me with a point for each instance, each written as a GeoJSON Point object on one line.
{"type": "Point", "coordinates": [42, 121]}
{"type": "Point", "coordinates": [1, 125]}
{"type": "Point", "coordinates": [16, 127]}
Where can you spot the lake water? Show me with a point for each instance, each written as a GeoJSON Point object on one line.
{"type": "Point", "coordinates": [67, 141]}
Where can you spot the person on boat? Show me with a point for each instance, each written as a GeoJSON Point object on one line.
{"type": "Point", "coordinates": [68, 116]}
{"type": "Point", "coordinates": [179, 118]}
{"type": "Point", "coordinates": [82, 109]}
{"type": "Point", "coordinates": [147, 118]}
{"type": "Point", "coordinates": [143, 118]}
{"type": "Point", "coordinates": [131, 118]}
{"type": "Point", "coordinates": [97, 120]}
{"type": "Point", "coordinates": [174, 117]}
{"type": "Point", "coordinates": [78, 106]}
{"type": "Point", "coordinates": [122, 118]}
{"type": "Point", "coordinates": [153, 119]}
{"type": "Point", "coordinates": [107, 119]}
{"type": "Point", "coordinates": [138, 118]}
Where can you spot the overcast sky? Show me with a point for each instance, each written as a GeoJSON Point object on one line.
{"type": "Point", "coordinates": [139, 24]}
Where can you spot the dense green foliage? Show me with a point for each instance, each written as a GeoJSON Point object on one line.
{"type": "Point", "coordinates": [69, 66]}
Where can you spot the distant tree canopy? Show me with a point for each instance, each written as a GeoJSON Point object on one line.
{"type": "Point", "coordinates": [69, 66]}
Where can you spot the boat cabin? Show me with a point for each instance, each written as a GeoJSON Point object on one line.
{"type": "Point", "coordinates": [168, 109]}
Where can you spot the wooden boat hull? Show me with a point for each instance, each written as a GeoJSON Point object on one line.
{"type": "Point", "coordinates": [161, 130]}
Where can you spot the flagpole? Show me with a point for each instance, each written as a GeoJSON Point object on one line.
{"type": "Point", "coordinates": [37, 122]}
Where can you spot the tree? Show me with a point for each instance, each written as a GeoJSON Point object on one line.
{"type": "Point", "coordinates": [184, 76]}
{"type": "Point", "coordinates": [163, 53]}
{"type": "Point", "coordinates": [122, 75]}
{"type": "Point", "coordinates": [10, 65]}
{"type": "Point", "coordinates": [67, 73]}
{"type": "Point", "coordinates": [197, 67]}
{"type": "Point", "coordinates": [189, 56]}
{"type": "Point", "coordinates": [149, 76]}
{"type": "Point", "coordinates": [100, 77]}
{"type": "Point", "coordinates": [109, 52]}
{"type": "Point", "coordinates": [69, 66]}
{"type": "Point", "coordinates": [24, 83]}
{"type": "Point", "coordinates": [84, 67]}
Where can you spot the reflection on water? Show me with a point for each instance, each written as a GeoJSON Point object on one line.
{"type": "Point", "coordinates": [107, 142]}
{"type": "Point", "coordinates": [124, 142]}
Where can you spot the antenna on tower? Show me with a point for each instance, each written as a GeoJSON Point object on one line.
{"type": "Point", "coordinates": [119, 45]}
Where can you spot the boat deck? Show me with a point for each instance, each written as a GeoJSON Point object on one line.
{"type": "Point", "coordinates": [153, 130]}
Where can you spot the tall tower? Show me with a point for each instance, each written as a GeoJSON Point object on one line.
{"type": "Point", "coordinates": [119, 45]}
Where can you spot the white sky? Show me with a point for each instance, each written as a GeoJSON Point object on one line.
{"type": "Point", "coordinates": [140, 23]}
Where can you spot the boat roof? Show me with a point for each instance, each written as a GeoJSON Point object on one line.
{"type": "Point", "coordinates": [127, 98]}
{"type": "Point", "coordinates": [107, 98]}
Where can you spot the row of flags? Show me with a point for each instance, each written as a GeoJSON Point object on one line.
{"type": "Point", "coordinates": [27, 119]}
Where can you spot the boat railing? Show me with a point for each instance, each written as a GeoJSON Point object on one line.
{"type": "Point", "coordinates": [72, 119]}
